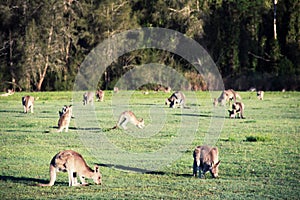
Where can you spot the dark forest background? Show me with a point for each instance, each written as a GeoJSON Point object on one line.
{"type": "Point", "coordinates": [43, 42]}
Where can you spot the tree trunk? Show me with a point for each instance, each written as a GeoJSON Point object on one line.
{"type": "Point", "coordinates": [274, 20]}
{"type": "Point", "coordinates": [11, 64]}
{"type": "Point", "coordinates": [44, 71]}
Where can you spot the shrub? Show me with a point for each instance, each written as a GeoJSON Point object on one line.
{"type": "Point", "coordinates": [258, 138]}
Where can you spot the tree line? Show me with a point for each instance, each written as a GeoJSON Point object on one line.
{"type": "Point", "coordinates": [253, 43]}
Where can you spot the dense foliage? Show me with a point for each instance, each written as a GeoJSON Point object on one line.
{"type": "Point", "coordinates": [43, 42]}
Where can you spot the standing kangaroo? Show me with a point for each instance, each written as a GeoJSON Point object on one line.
{"type": "Point", "coordinates": [88, 97]}
{"type": "Point", "coordinates": [65, 118]}
{"type": "Point", "coordinates": [27, 102]}
{"type": "Point", "coordinates": [260, 95]}
{"type": "Point", "coordinates": [100, 95]}
{"type": "Point", "coordinates": [73, 163]}
{"type": "Point", "coordinates": [206, 159]}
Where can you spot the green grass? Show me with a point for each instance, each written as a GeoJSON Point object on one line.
{"type": "Point", "coordinates": [267, 168]}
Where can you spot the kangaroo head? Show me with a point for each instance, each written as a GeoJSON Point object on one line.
{"type": "Point", "coordinates": [63, 110]}
{"type": "Point", "coordinates": [174, 103]}
{"type": "Point", "coordinates": [214, 170]}
{"type": "Point", "coordinates": [68, 109]}
{"type": "Point", "coordinates": [231, 114]}
{"type": "Point", "coordinates": [97, 177]}
{"type": "Point", "coordinates": [141, 123]}
{"type": "Point", "coordinates": [167, 101]}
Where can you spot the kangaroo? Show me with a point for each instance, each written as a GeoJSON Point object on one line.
{"type": "Point", "coordinates": [65, 118]}
{"type": "Point", "coordinates": [116, 89]}
{"type": "Point", "coordinates": [73, 163]}
{"type": "Point", "coordinates": [206, 159]}
{"type": "Point", "coordinates": [9, 92]}
{"type": "Point", "coordinates": [177, 99]}
{"type": "Point", "coordinates": [129, 116]}
{"type": "Point", "coordinates": [260, 95]}
{"type": "Point", "coordinates": [100, 95]}
{"type": "Point", "coordinates": [162, 88]}
{"type": "Point", "coordinates": [226, 95]}
{"type": "Point", "coordinates": [237, 110]}
{"type": "Point", "coordinates": [27, 102]}
{"type": "Point", "coordinates": [88, 97]}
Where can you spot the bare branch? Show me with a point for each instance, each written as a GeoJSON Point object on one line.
{"type": "Point", "coordinates": [259, 57]}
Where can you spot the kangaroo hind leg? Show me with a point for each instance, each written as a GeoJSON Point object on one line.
{"type": "Point", "coordinates": [124, 122]}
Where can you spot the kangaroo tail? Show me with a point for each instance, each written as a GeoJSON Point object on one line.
{"type": "Point", "coordinates": [186, 107]}
{"type": "Point", "coordinates": [60, 128]}
{"type": "Point", "coordinates": [52, 177]}
{"type": "Point", "coordinates": [115, 127]}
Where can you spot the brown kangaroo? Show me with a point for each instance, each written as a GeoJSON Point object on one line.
{"type": "Point", "coordinates": [226, 95]}
{"type": "Point", "coordinates": [129, 116]}
{"type": "Point", "coordinates": [206, 159]}
{"type": "Point", "coordinates": [73, 163]}
{"type": "Point", "coordinates": [237, 110]}
{"type": "Point", "coordinates": [27, 102]}
{"type": "Point", "coordinates": [65, 118]}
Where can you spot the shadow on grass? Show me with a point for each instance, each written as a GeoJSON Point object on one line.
{"type": "Point", "coordinates": [199, 115]}
{"type": "Point", "coordinates": [81, 129]}
{"type": "Point", "coordinates": [12, 111]}
{"type": "Point", "coordinates": [143, 171]}
{"type": "Point", "coordinates": [26, 180]}
{"type": "Point", "coordinates": [18, 131]}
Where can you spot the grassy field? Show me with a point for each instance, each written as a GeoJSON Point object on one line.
{"type": "Point", "coordinates": [259, 155]}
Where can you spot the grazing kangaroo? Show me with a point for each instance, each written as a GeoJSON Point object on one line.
{"type": "Point", "coordinates": [65, 118]}
{"type": "Point", "coordinates": [27, 102]}
{"type": "Point", "coordinates": [226, 95]}
{"type": "Point", "coordinates": [260, 95]}
{"type": "Point", "coordinates": [237, 110]}
{"type": "Point", "coordinates": [88, 97]}
{"type": "Point", "coordinates": [129, 116]}
{"type": "Point", "coordinates": [73, 163]}
{"type": "Point", "coordinates": [177, 99]}
{"type": "Point", "coordinates": [206, 159]}
{"type": "Point", "coordinates": [100, 95]}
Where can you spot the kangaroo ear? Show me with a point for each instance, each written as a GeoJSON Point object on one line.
{"type": "Point", "coordinates": [218, 163]}
{"type": "Point", "coordinates": [97, 169]}
{"type": "Point", "coordinates": [70, 106]}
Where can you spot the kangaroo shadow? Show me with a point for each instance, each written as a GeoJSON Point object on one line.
{"type": "Point", "coordinates": [143, 171]}
{"type": "Point", "coordinates": [76, 128]}
{"type": "Point", "coordinates": [28, 181]}
{"type": "Point", "coordinates": [12, 111]}
{"type": "Point", "coordinates": [199, 115]}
